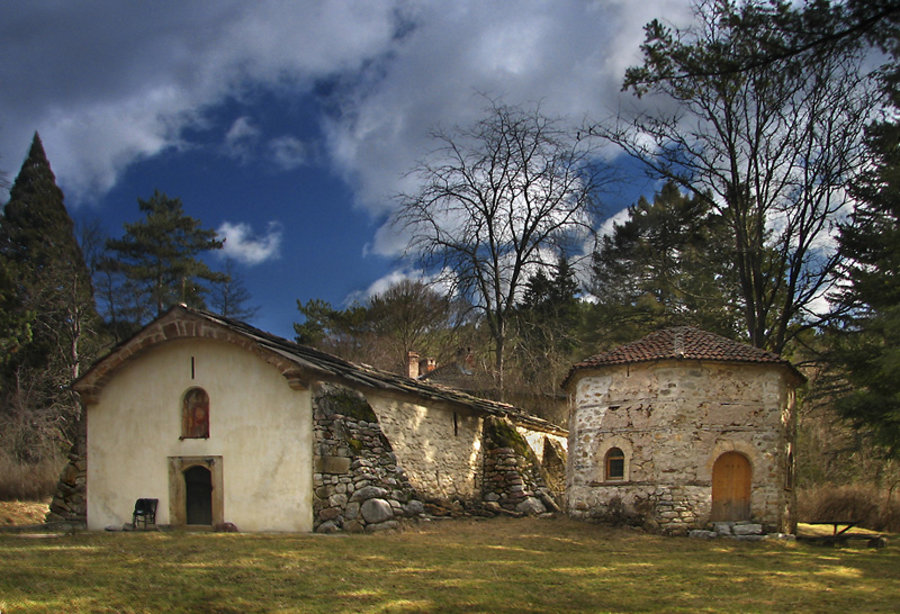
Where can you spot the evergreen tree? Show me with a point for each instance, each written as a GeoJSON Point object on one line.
{"type": "Point", "coordinates": [53, 297]}
{"type": "Point", "coordinates": [230, 298]}
{"type": "Point", "coordinates": [868, 346]}
{"type": "Point", "coordinates": [548, 328]}
{"type": "Point", "coordinates": [159, 257]}
{"type": "Point", "coordinates": [666, 265]}
{"type": "Point", "coordinates": [15, 328]}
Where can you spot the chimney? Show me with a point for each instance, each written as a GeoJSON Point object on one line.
{"type": "Point", "coordinates": [427, 365]}
{"type": "Point", "coordinates": [412, 365]}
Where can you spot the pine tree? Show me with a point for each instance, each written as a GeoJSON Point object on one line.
{"type": "Point", "coordinates": [52, 292]}
{"type": "Point", "coordinates": [548, 328]}
{"type": "Point", "coordinates": [666, 265]}
{"type": "Point", "coordinates": [230, 298]}
{"type": "Point", "coordinates": [159, 255]}
{"type": "Point", "coordinates": [868, 346]}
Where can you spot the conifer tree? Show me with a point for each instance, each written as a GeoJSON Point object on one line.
{"type": "Point", "coordinates": [231, 297]}
{"type": "Point", "coordinates": [159, 256]}
{"type": "Point", "coordinates": [51, 289]}
{"type": "Point", "coordinates": [548, 328]}
{"type": "Point", "coordinates": [867, 348]}
{"type": "Point", "coordinates": [667, 264]}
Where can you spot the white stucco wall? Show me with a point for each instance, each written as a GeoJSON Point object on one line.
{"type": "Point", "coordinates": [535, 439]}
{"type": "Point", "coordinates": [440, 459]}
{"type": "Point", "coordinates": [259, 426]}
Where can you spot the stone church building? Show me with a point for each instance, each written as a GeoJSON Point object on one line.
{"type": "Point", "coordinates": [681, 429]}
{"type": "Point", "coordinates": [223, 423]}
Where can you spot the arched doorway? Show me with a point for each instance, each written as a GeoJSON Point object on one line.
{"type": "Point", "coordinates": [198, 495]}
{"type": "Point", "coordinates": [731, 488]}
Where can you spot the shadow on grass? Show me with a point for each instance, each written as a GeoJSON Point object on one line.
{"type": "Point", "coordinates": [496, 566]}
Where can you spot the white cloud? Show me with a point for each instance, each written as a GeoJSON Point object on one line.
{"type": "Point", "coordinates": [108, 83]}
{"type": "Point", "coordinates": [241, 139]}
{"type": "Point", "coordinates": [243, 245]}
{"type": "Point", "coordinates": [288, 152]}
{"type": "Point", "coordinates": [569, 56]}
{"type": "Point", "coordinates": [441, 282]}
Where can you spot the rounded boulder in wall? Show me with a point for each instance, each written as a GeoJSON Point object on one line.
{"type": "Point", "coordinates": [376, 510]}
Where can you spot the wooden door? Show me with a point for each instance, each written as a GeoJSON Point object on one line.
{"type": "Point", "coordinates": [731, 488]}
{"type": "Point", "coordinates": [198, 495]}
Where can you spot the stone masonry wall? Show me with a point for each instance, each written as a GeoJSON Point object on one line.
{"type": "Point", "coordinates": [69, 503]}
{"type": "Point", "coordinates": [550, 450]}
{"type": "Point", "coordinates": [438, 444]}
{"type": "Point", "coordinates": [672, 420]}
{"type": "Point", "coordinates": [513, 477]}
{"type": "Point", "coordinates": [358, 485]}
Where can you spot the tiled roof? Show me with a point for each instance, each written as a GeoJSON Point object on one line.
{"type": "Point", "coordinates": [294, 360]}
{"type": "Point", "coordinates": [681, 343]}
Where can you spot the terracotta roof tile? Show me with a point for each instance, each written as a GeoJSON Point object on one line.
{"type": "Point", "coordinates": [681, 343]}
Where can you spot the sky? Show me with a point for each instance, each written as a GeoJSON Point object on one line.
{"type": "Point", "coordinates": [289, 127]}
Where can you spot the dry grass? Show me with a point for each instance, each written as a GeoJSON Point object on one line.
{"type": "Point", "coordinates": [28, 482]}
{"type": "Point", "coordinates": [455, 566]}
{"type": "Point", "coordinates": [23, 512]}
{"type": "Point", "coordinates": [872, 507]}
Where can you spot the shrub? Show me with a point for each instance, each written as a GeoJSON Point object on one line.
{"type": "Point", "coordinates": [29, 481]}
{"type": "Point", "coordinates": [873, 508]}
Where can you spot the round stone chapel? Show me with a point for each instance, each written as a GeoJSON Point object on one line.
{"type": "Point", "coordinates": [683, 430]}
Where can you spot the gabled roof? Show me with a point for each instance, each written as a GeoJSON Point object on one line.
{"type": "Point", "coordinates": [299, 364]}
{"type": "Point", "coordinates": [682, 343]}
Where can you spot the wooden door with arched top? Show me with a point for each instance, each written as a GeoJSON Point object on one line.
{"type": "Point", "coordinates": [731, 488]}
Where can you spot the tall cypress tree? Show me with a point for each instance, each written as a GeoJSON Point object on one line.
{"type": "Point", "coordinates": [52, 292]}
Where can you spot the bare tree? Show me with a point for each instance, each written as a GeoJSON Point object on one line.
{"type": "Point", "coordinates": [497, 201]}
{"type": "Point", "coordinates": [412, 316]}
{"type": "Point", "coordinates": [771, 147]}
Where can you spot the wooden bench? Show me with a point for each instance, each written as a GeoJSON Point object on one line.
{"type": "Point", "coordinates": [840, 536]}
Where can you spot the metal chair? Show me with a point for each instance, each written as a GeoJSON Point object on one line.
{"type": "Point", "coordinates": [144, 512]}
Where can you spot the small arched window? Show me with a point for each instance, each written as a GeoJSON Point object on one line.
{"type": "Point", "coordinates": [615, 464]}
{"type": "Point", "coordinates": [195, 414]}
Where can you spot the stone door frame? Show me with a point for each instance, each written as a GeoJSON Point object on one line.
{"type": "Point", "coordinates": [178, 490]}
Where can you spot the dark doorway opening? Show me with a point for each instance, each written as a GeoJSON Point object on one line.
{"type": "Point", "coordinates": [198, 495]}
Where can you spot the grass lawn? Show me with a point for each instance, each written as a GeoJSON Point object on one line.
{"type": "Point", "coordinates": [501, 565]}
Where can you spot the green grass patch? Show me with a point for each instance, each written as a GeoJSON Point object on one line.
{"type": "Point", "coordinates": [503, 565]}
